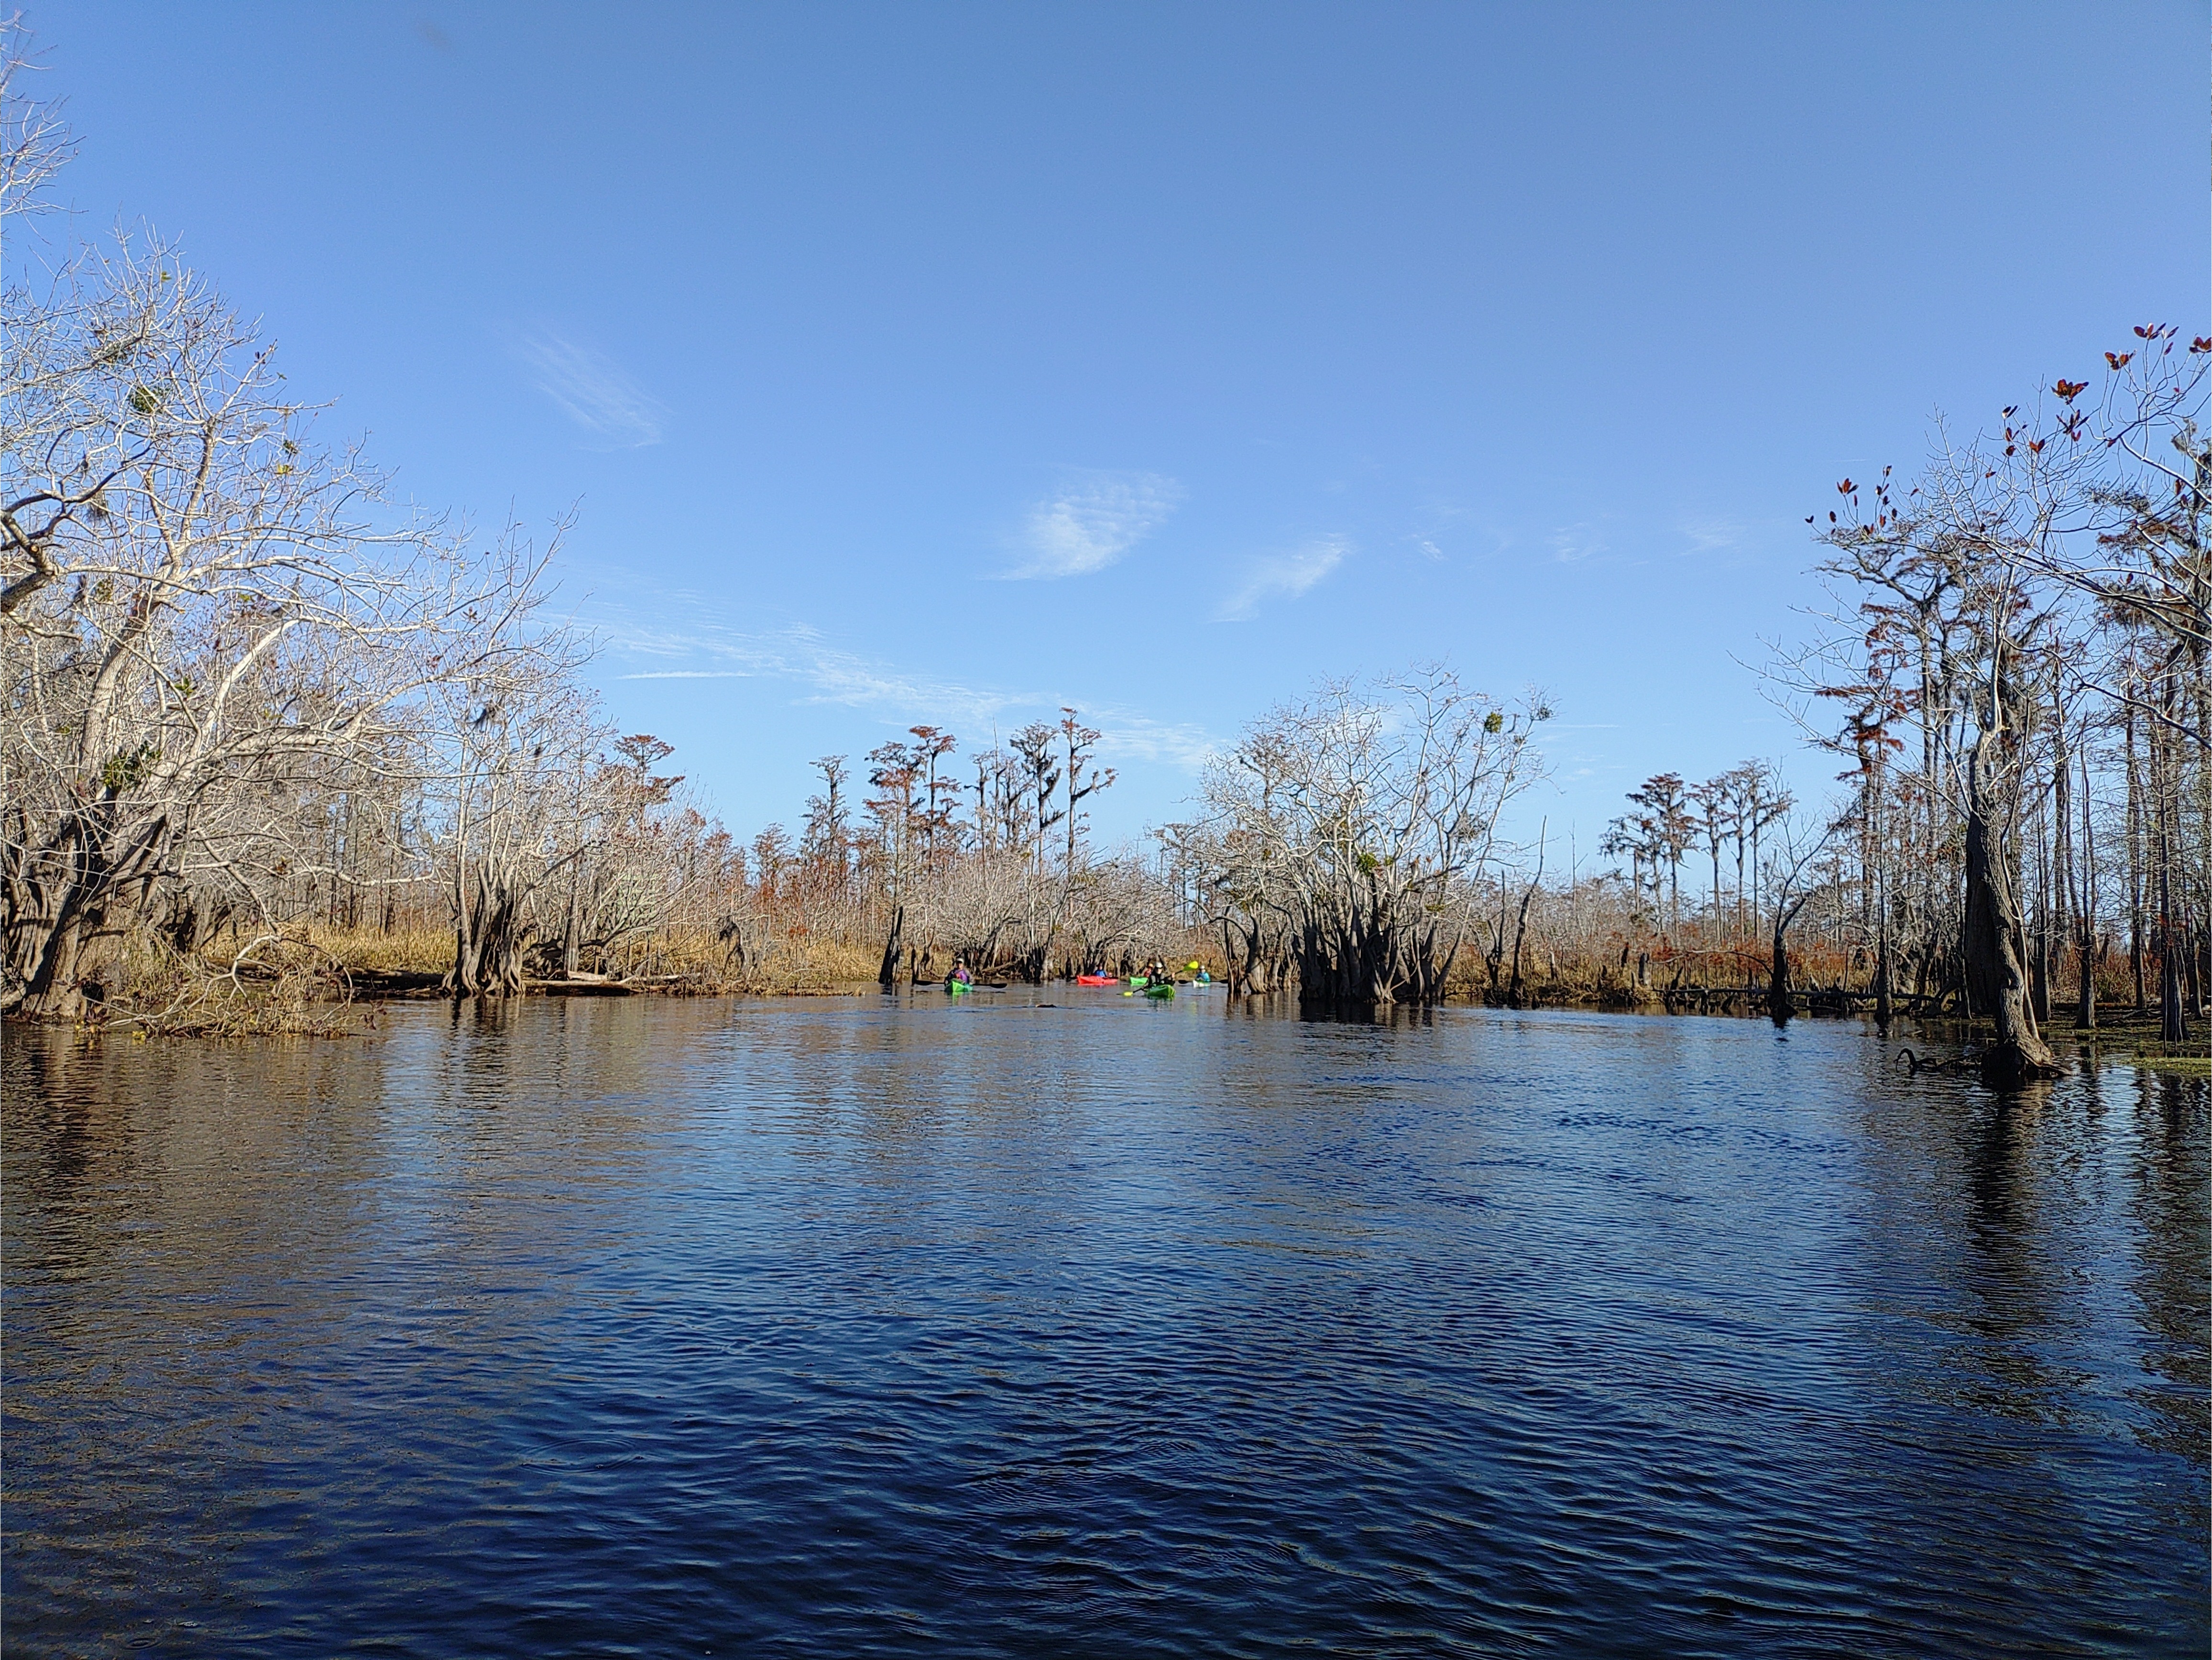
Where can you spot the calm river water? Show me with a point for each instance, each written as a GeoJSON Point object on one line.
{"type": "Point", "coordinates": [843, 1327]}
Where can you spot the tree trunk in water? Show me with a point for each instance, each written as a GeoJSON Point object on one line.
{"type": "Point", "coordinates": [67, 906]}
{"type": "Point", "coordinates": [1520, 931]}
{"type": "Point", "coordinates": [1359, 958]}
{"type": "Point", "coordinates": [2173, 1027]}
{"type": "Point", "coordinates": [1997, 980]}
{"type": "Point", "coordinates": [1882, 996]}
{"type": "Point", "coordinates": [489, 934]}
{"type": "Point", "coordinates": [2085, 995]}
{"type": "Point", "coordinates": [75, 970]}
{"type": "Point", "coordinates": [1521, 923]}
{"type": "Point", "coordinates": [1779, 1004]}
{"type": "Point", "coordinates": [887, 975]}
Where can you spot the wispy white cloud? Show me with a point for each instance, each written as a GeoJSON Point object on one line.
{"type": "Point", "coordinates": [1126, 735]}
{"type": "Point", "coordinates": [1571, 544]}
{"type": "Point", "coordinates": [827, 674]}
{"type": "Point", "coordinates": [1711, 535]}
{"type": "Point", "coordinates": [592, 390]}
{"type": "Point", "coordinates": [1284, 575]}
{"type": "Point", "coordinates": [799, 654]}
{"type": "Point", "coordinates": [1088, 526]}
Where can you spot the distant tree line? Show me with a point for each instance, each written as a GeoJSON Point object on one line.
{"type": "Point", "coordinates": [985, 857]}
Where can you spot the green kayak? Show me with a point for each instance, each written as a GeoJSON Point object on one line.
{"type": "Point", "coordinates": [1163, 991]}
{"type": "Point", "coordinates": [1139, 981]}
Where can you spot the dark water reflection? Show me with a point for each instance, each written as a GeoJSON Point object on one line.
{"type": "Point", "coordinates": [631, 1326]}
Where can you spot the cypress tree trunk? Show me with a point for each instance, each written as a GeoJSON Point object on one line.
{"type": "Point", "coordinates": [2085, 995]}
{"type": "Point", "coordinates": [68, 905]}
{"type": "Point", "coordinates": [887, 975]}
{"type": "Point", "coordinates": [1521, 924]}
{"type": "Point", "coordinates": [1780, 1005]}
{"type": "Point", "coordinates": [1996, 979]}
{"type": "Point", "coordinates": [2135, 823]}
{"type": "Point", "coordinates": [2165, 768]}
{"type": "Point", "coordinates": [490, 933]}
{"type": "Point", "coordinates": [2173, 1027]}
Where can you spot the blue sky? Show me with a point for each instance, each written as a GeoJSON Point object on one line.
{"type": "Point", "coordinates": [954, 362]}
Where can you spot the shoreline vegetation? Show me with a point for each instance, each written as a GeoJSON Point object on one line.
{"type": "Point", "coordinates": [273, 741]}
{"type": "Point", "coordinates": [329, 983]}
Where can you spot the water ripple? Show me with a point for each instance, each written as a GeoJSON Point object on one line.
{"type": "Point", "coordinates": [642, 1327]}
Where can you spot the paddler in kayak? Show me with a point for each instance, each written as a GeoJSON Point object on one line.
{"type": "Point", "coordinates": [960, 975]}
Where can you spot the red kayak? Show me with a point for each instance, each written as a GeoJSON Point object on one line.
{"type": "Point", "coordinates": [1096, 980]}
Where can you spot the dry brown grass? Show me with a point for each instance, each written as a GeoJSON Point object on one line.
{"type": "Point", "coordinates": [693, 957]}
{"type": "Point", "coordinates": [303, 984]}
{"type": "Point", "coordinates": [413, 947]}
{"type": "Point", "coordinates": [259, 988]}
{"type": "Point", "coordinates": [809, 963]}
{"type": "Point", "coordinates": [1598, 976]}
{"type": "Point", "coordinates": [815, 964]}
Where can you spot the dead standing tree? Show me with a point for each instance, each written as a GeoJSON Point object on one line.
{"type": "Point", "coordinates": [1791, 895]}
{"type": "Point", "coordinates": [894, 772]}
{"type": "Point", "coordinates": [1085, 778]}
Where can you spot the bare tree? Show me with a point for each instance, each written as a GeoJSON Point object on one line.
{"type": "Point", "coordinates": [826, 843]}
{"type": "Point", "coordinates": [1667, 808]}
{"type": "Point", "coordinates": [1085, 777]}
{"type": "Point", "coordinates": [203, 613]}
{"type": "Point", "coordinates": [1365, 815]}
{"type": "Point", "coordinates": [1790, 896]}
{"type": "Point", "coordinates": [35, 141]}
{"type": "Point", "coordinates": [2058, 557]}
{"type": "Point", "coordinates": [511, 740]}
{"type": "Point", "coordinates": [1040, 775]}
